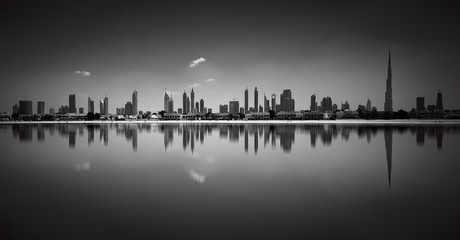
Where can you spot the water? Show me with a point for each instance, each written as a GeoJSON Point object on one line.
{"type": "Point", "coordinates": [221, 181]}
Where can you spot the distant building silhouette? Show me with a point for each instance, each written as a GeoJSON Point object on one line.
{"type": "Point", "coordinates": [273, 101]}
{"type": "Point", "coordinates": [368, 105]}
{"type": "Point", "coordinates": [15, 108]}
{"type": "Point", "coordinates": [345, 106]}
{"type": "Point", "coordinates": [184, 103]}
{"type": "Point", "coordinates": [134, 97]}
{"type": "Point", "coordinates": [326, 104]}
{"type": "Point", "coordinates": [197, 107]}
{"type": "Point", "coordinates": [25, 107]}
{"type": "Point", "coordinates": [129, 109]}
{"type": "Point", "coordinates": [389, 92]}
{"type": "Point", "coordinates": [165, 101]}
{"type": "Point", "coordinates": [287, 104]}
{"type": "Point", "coordinates": [256, 98]}
{"type": "Point", "coordinates": [246, 101]}
{"type": "Point", "coordinates": [192, 101]}
{"type": "Point", "coordinates": [72, 104]}
{"type": "Point", "coordinates": [101, 107]}
{"type": "Point", "coordinates": [439, 105]}
{"type": "Point", "coordinates": [313, 104]}
{"type": "Point", "coordinates": [223, 108]}
{"type": "Point", "coordinates": [52, 111]}
{"type": "Point", "coordinates": [90, 105]}
{"type": "Point", "coordinates": [420, 104]}
{"type": "Point", "coordinates": [40, 107]}
{"type": "Point", "coordinates": [106, 106]}
{"type": "Point", "coordinates": [266, 104]}
{"type": "Point", "coordinates": [202, 106]}
{"type": "Point", "coordinates": [234, 107]}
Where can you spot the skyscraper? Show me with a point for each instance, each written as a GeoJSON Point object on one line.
{"type": "Point", "coordinates": [202, 106]}
{"type": "Point", "coordinates": [389, 92]}
{"type": "Point", "coordinates": [313, 103]}
{"type": "Point", "coordinates": [187, 105]}
{"type": "Point", "coordinates": [287, 104]}
{"type": "Point", "coordinates": [25, 107]}
{"type": "Point", "coordinates": [101, 107]}
{"type": "Point", "coordinates": [439, 105]}
{"type": "Point", "coordinates": [246, 99]}
{"type": "Point", "coordinates": [192, 101]}
{"type": "Point", "coordinates": [170, 104]}
{"type": "Point", "coordinates": [368, 105]}
{"type": "Point", "coordinates": [106, 106]}
{"type": "Point", "coordinates": [256, 99]}
{"type": "Point", "coordinates": [135, 110]}
{"type": "Point", "coordinates": [40, 107]}
{"type": "Point", "coordinates": [266, 104]}
{"type": "Point", "coordinates": [184, 103]}
{"type": "Point", "coordinates": [420, 104]}
{"type": "Point", "coordinates": [273, 101]}
{"type": "Point", "coordinates": [234, 107]}
{"type": "Point", "coordinates": [165, 101]}
{"type": "Point", "coordinates": [326, 104]}
{"type": "Point", "coordinates": [72, 104]}
{"type": "Point", "coordinates": [90, 105]}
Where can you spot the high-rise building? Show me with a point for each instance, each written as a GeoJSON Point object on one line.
{"type": "Point", "coordinates": [165, 101]}
{"type": "Point", "coordinates": [223, 108]}
{"type": "Point", "coordinates": [106, 106]}
{"type": "Point", "coordinates": [242, 110]}
{"type": "Point", "coordinates": [345, 106]}
{"type": "Point", "coordinates": [261, 109]}
{"type": "Point", "coordinates": [52, 111]}
{"type": "Point", "coordinates": [129, 109]}
{"type": "Point", "coordinates": [90, 105]}
{"type": "Point", "coordinates": [202, 106]}
{"type": "Point", "coordinates": [368, 105]}
{"type": "Point", "coordinates": [273, 101]}
{"type": "Point", "coordinates": [439, 105]}
{"type": "Point", "coordinates": [72, 104]}
{"type": "Point", "coordinates": [81, 110]}
{"type": "Point", "coordinates": [266, 104]}
{"type": "Point", "coordinates": [15, 108]}
{"type": "Point", "coordinates": [287, 104]}
{"type": "Point", "coordinates": [334, 107]}
{"type": "Point", "coordinates": [246, 101]}
{"type": "Point", "coordinates": [389, 92]}
{"type": "Point", "coordinates": [135, 109]}
{"type": "Point", "coordinates": [256, 99]}
{"type": "Point", "coordinates": [187, 106]}
{"type": "Point", "coordinates": [40, 107]}
{"type": "Point", "coordinates": [313, 104]}
{"type": "Point", "coordinates": [184, 103]}
{"type": "Point", "coordinates": [170, 104]}
{"type": "Point", "coordinates": [25, 107]}
{"type": "Point", "coordinates": [192, 100]}
{"type": "Point", "coordinates": [326, 104]}
{"type": "Point", "coordinates": [197, 107]}
{"type": "Point", "coordinates": [234, 107]}
{"type": "Point", "coordinates": [420, 104]}
{"type": "Point", "coordinates": [101, 107]}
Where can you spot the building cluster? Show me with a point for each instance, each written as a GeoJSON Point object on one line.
{"type": "Point", "coordinates": [269, 109]}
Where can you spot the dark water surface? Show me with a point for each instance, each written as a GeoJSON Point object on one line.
{"type": "Point", "coordinates": [202, 181]}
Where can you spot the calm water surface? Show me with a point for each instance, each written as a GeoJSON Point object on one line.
{"type": "Point", "coordinates": [202, 181]}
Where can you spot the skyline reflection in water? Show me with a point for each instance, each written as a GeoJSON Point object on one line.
{"type": "Point", "coordinates": [231, 176]}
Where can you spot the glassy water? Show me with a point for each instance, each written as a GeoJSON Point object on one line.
{"type": "Point", "coordinates": [223, 181]}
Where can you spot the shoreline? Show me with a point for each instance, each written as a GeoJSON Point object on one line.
{"type": "Point", "coordinates": [304, 122]}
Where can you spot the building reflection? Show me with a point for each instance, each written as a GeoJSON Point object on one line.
{"type": "Point", "coordinates": [388, 135]}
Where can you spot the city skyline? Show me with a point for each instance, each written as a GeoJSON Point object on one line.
{"type": "Point", "coordinates": [343, 58]}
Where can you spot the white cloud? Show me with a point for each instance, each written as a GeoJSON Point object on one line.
{"type": "Point", "coordinates": [211, 80]}
{"type": "Point", "coordinates": [195, 62]}
{"type": "Point", "coordinates": [83, 73]}
{"type": "Point", "coordinates": [194, 85]}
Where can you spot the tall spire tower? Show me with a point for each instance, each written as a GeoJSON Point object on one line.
{"type": "Point", "coordinates": [389, 92]}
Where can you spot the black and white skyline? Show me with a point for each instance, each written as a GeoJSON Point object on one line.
{"type": "Point", "coordinates": [337, 49]}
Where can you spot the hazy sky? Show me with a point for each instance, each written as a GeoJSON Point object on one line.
{"type": "Point", "coordinates": [337, 49]}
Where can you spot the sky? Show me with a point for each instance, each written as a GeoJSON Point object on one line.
{"type": "Point", "coordinates": [339, 49]}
